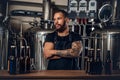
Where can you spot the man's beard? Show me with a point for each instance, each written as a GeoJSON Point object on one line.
{"type": "Point", "coordinates": [62, 28]}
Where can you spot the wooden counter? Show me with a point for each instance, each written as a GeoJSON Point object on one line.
{"type": "Point", "coordinates": [57, 74]}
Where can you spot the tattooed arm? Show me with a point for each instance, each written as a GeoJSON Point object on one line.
{"type": "Point", "coordinates": [50, 53]}
{"type": "Point", "coordinates": [49, 50]}
{"type": "Point", "coordinates": [75, 50]}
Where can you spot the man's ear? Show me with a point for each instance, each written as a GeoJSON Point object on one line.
{"type": "Point", "coordinates": [67, 20]}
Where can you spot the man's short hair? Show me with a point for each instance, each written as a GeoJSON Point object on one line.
{"type": "Point", "coordinates": [62, 11]}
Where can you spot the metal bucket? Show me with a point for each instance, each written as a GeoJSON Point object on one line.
{"type": "Point", "coordinates": [108, 40]}
{"type": "Point", "coordinates": [3, 48]}
{"type": "Point", "coordinates": [37, 39]}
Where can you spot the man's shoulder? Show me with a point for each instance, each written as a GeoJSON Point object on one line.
{"type": "Point", "coordinates": [50, 37]}
{"type": "Point", "coordinates": [51, 34]}
{"type": "Point", "coordinates": [74, 33]}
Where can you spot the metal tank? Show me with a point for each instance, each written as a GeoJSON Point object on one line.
{"type": "Point", "coordinates": [107, 40]}
{"type": "Point", "coordinates": [108, 37]}
{"type": "Point", "coordinates": [36, 38]}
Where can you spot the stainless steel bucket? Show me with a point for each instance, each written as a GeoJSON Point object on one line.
{"type": "Point", "coordinates": [3, 48]}
{"type": "Point", "coordinates": [108, 39]}
{"type": "Point", "coordinates": [38, 37]}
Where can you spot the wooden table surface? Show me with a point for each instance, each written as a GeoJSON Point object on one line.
{"type": "Point", "coordinates": [58, 74]}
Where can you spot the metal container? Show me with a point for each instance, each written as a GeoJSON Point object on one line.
{"type": "Point", "coordinates": [36, 41]}
{"type": "Point", "coordinates": [107, 40]}
{"type": "Point", "coordinates": [3, 48]}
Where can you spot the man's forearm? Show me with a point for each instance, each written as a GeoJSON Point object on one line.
{"type": "Point", "coordinates": [73, 52]}
{"type": "Point", "coordinates": [67, 53]}
{"type": "Point", "coordinates": [64, 53]}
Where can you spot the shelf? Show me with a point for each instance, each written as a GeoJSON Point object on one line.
{"type": "Point", "coordinates": [25, 3]}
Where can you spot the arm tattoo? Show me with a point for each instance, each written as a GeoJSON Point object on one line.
{"type": "Point", "coordinates": [76, 47]}
{"type": "Point", "coordinates": [68, 53]}
{"type": "Point", "coordinates": [63, 53]}
{"type": "Point", "coordinates": [73, 52]}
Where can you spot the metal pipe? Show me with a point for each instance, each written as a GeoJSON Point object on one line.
{"type": "Point", "coordinates": [114, 3]}
{"type": "Point", "coordinates": [46, 11]}
{"type": "Point", "coordinates": [83, 52]}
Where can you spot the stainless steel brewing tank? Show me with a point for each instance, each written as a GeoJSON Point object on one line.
{"type": "Point", "coordinates": [108, 39]}
{"type": "Point", "coordinates": [38, 37]}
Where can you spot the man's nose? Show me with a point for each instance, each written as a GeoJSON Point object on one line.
{"type": "Point", "coordinates": [55, 22]}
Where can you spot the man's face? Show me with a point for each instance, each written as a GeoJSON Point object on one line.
{"type": "Point", "coordinates": [59, 22]}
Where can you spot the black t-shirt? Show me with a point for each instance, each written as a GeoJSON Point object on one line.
{"type": "Point", "coordinates": [62, 43]}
